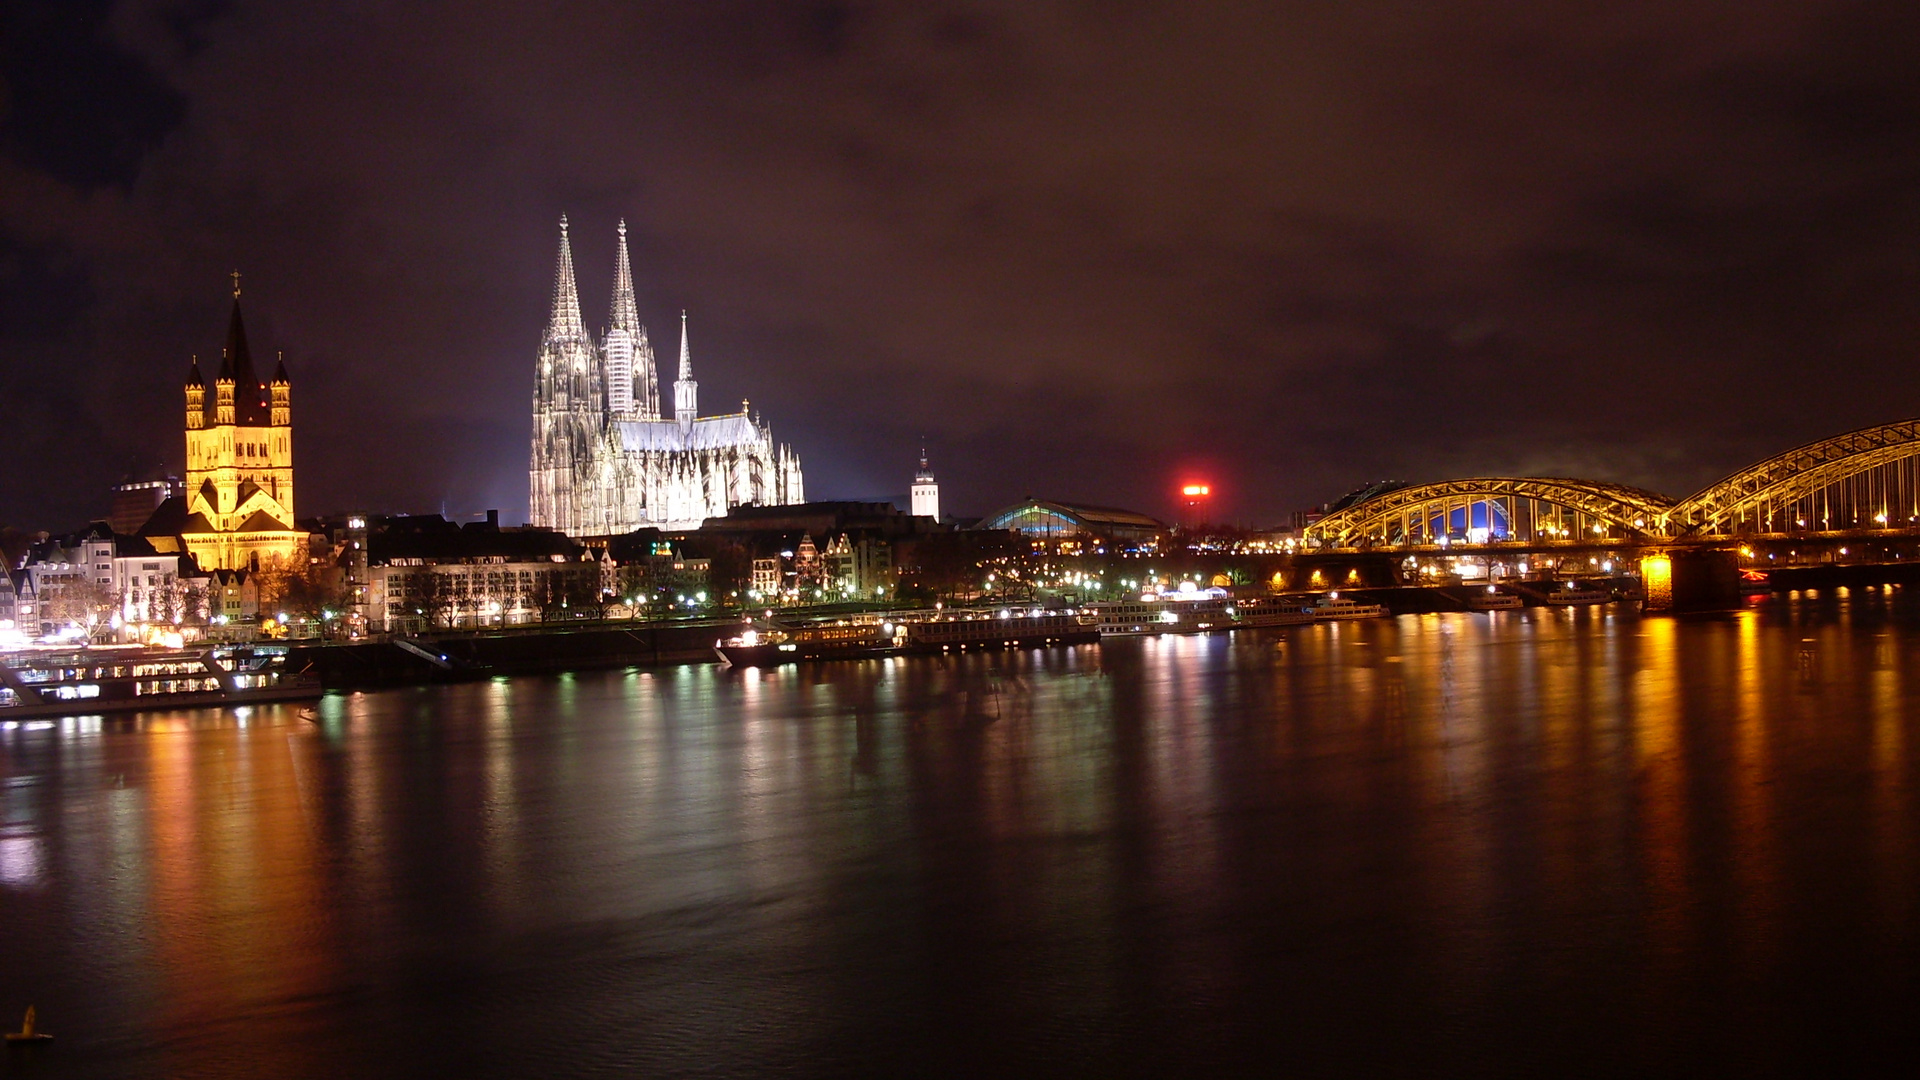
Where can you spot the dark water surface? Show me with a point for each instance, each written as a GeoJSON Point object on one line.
{"type": "Point", "coordinates": [1532, 843]}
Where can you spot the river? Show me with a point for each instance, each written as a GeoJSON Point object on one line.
{"type": "Point", "coordinates": [1519, 843]}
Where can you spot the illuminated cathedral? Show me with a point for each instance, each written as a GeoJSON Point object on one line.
{"type": "Point", "coordinates": [605, 458]}
{"type": "Point", "coordinates": [239, 483]}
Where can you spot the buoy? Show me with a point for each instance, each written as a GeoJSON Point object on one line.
{"type": "Point", "coordinates": [26, 1032]}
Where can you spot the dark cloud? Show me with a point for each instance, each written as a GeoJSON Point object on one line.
{"type": "Point", "coordinates": [1081, 248]}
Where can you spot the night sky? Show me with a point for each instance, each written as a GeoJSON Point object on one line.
{"type": "Point", "coordinates": [1085, 249]}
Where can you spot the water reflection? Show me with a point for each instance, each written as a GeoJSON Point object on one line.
{"type": "Point", "coordinates": [1510, 839]}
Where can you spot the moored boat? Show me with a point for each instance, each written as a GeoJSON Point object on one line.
{"type": "Point", "coordinates": [1492, 599]}
{"type": "Point", "coordinates": [69, 682]}
{"type": "Point", "coordinates": [1269, 611]}
{"type": "Point", "coordinates": [764, 646]}
{"type": "Point", "coordinates": [1161, 616]}
{"type": "Point", "coordinates": [964, 630]}
{"type": "Point", "coordinates": [908, 632]}
{"type": "Point", "coordinates": [1334, 607]}
{"type": "Point", "coordinates": [1573, 594]}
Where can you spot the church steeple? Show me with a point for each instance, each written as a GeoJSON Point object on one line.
{"type": "Point", "coordinates": [686, 354]}
{"type": "Point", "coordinates": [280, 392]}
{"type": "Point", "coordinates": [565, 320]}
{"type": "Point", "coordinates": [685, 390]}
{"type": "Point", "coordinates": [196, 397]}
{"type": "Point", "coordinates": [629, 359]}
{"type": "Point", "coordinates": [250, 407]}
{"type": "Point", "coordinates": [626, 313]}
{"type": "Point", "coordinates": [239, 475]}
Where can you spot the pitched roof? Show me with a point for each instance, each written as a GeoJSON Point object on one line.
{"type": "Point", "coordinates": [706, 433]}
{"type": "Point", "coordinates": [261, 521]}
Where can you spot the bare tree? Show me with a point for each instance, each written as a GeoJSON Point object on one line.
{"type": "Point", "coordinates": [86, 604]}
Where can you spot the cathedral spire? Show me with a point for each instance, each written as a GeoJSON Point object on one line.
{"type": "Point", "coordinates": [565, 320]}
{"type": "Point", "coordinates": [686, 354]}
{"type": "Point", "coordinates": [626, 313]}
{"type": "Point", "coordinates": [620, 344]}
{"type": "Point", "coordinates": [685, 390]}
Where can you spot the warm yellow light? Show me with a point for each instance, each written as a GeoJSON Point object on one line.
{"type": "Point", "coordinates": [1192, 490]}
{"type": "Point", "coordinates": [1656, 574]}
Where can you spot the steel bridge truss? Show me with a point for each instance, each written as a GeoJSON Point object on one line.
{"type": "Point", "coordinates": [1855, 466]}
{"type": "Point", "coordinates": [1544, 507]}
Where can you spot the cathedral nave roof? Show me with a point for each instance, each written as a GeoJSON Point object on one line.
{"type": "Point", "coordinates": [734, 430]}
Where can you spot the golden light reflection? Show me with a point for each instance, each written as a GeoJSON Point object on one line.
{"type": "Point", "coordinates": [1756, 835]}
{"type": "Point", "coordinates": [1892, 794]}
{"type": "Point", "coordinates": [1655, 716]}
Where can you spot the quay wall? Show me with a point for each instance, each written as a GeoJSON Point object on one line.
{"type": "Point", "coordinates": [475, 656]}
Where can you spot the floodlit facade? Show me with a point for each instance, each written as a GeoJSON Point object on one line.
{"type": "Point", "coordinates": [239, 483]}
{"type": "Point", "coordinates": [606, 459]}
{"type": "Point", "coordinates": [926, 491]}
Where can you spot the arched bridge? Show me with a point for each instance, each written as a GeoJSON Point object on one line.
{"type": "Point", "coordinates": [1495, 507]}
{"type": "Point", "coordinates": [1868, 470]}
{"type": "Point", "coordinates": [1865, 480]}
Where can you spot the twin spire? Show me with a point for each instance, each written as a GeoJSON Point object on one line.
{"type": "Point", "coordinates": [565, 322]}
{"type": "Point", "coordinates": [626, 313]}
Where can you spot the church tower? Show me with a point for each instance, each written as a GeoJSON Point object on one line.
{"type": "Point", "coordinates": [685, 390]}
{"type": "Point", "coordinates": [239, 483]}
{"type": "Point", "coordinates": [567, 404]}
{"type": "Point", "coordinates": [926, 493]}
{"type": "Point", "coordinates": [632, 392]}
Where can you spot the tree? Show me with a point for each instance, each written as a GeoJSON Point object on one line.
{"type": "Point", "coordinates": [635, 584]}
{"type": "Point", "coordinates": [729, 572]}
{"type": "Point", "coordinates": [270, 583]}
{"type": "Point", "coordinates": [86, 604]}
{"type": "Point", "coordinates": [315, 592]}
{"type": "Point", "coordinates": [428, 597]}
{"type": "Point", "coordinates": [549, 594]}
{"type": "Point", "coordinates": [583, 594]}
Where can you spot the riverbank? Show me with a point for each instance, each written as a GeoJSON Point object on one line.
{"type": "Point", "coordinates": [459, 657]}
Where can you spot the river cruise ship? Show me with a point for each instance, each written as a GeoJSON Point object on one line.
{"type": "Point", "coordinates": [1492, 599]}
{"type": "Point", "coordinates": [907, 632]}
{"type": "Point", "coordinates": [1162, 616]}
{"type": "Point", "coordinates": [69, 682]}
{"type": "Point", "coordinates": [1575, 594]}
{"type": "Point", "coordinates": [1333, 608]}
{"type": "Point", "coordinates": [1269, 611]}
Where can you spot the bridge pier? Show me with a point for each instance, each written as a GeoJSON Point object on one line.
{"type": "Point", "coordinates": [1679, 580]}
{"type": "Point", "coordinates": [1344, 570]}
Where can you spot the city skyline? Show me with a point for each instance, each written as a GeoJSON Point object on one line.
{"type": "Point", "coordinates": [1604, 259]}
